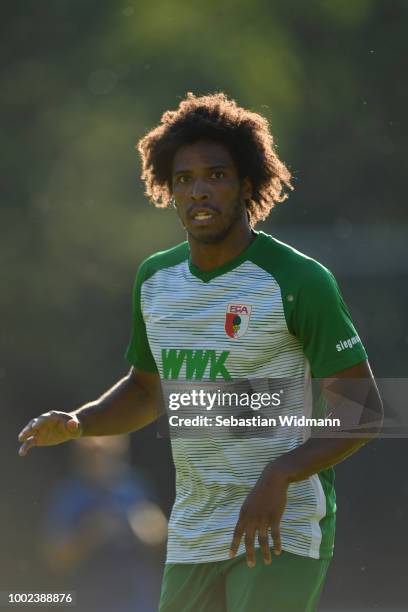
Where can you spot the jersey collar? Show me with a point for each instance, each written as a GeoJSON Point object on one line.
{"type": "Point", "coordinates": [229, 265]}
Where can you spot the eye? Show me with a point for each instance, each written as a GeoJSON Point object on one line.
{"type": "Point", "coordinates": [217, 174]}
{"type": "Point", "coordinates": [182, 179]}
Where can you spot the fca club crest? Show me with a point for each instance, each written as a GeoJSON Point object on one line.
{"type": "Point", "coordinates": [237, 319]}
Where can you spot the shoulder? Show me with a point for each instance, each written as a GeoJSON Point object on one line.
{"type": "Point", "coordinates": [162, 260]}
{"type": "Point", "coordinates": [290, 267]}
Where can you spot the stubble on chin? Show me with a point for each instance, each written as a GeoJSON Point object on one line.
{"type": "Point", "coordinates": [218, 236]}
{"type": "Point", "coordinates": [210, 237]}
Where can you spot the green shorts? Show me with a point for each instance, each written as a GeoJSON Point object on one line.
{"type": "Point", "coordinates": [291, 583]}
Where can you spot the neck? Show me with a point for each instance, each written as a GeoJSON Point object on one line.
{"type": "Point", "coordinates": [207, 257]}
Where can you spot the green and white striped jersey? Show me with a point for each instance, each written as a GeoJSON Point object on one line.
{"type": "Point", "coordinates": [272, 312]}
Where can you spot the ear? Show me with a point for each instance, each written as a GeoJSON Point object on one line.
{"type": "Point", "coordinates": [246, 188]}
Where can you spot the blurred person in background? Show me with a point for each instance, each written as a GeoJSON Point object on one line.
{"type": "Point", "coordinates": [103, 535]}
{"type": "Point", "coordinates": [252, 527]}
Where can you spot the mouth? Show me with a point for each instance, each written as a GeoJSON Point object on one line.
{"type": "Point", "coordinates": [202, 215]}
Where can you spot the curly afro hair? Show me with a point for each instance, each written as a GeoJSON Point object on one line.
{"type": "Point", "coordinates": [216, 118]}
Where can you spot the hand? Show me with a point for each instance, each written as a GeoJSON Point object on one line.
{"type": "Point", "coordinates": [261, 511]}
{"type": "Point", "coordinates": [49, 428]}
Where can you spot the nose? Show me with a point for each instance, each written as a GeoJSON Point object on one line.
{"type": "Point", "coordinates": [199, 191]}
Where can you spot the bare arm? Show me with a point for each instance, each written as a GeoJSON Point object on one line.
{"type": "Point", "coordinates": [317, 454]}
{"type": "Point", "coordinates": [131, 404]}
{"type": "Point", "coordinates": [264, 506]}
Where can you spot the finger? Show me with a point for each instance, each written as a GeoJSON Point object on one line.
{"type": "Point", "coordinates": [277, 545]}
{"type": "Point", "coordinates": [24, 448]}
{"type": "Point", "coordinates": [23, 433]}
{"type": "Point", "coordinates": [263, 539]}
{"type": "Point", "coordinates": [250, 547]}
{"type": "Point", "coordinates": [236, 539]}
{"type": "Point", "coordinates": [27, 431]}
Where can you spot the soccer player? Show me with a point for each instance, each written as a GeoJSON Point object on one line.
{"type": "Point", "coordinates": [252, 527]}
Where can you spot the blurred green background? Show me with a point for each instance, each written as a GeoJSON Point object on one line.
{"type": "Point", "coordinates": [81, 82]}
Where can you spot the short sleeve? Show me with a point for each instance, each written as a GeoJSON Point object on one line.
{"type": "Point", "coordinates": [323, 325]}
{"type": "Point", "coordinates": [138, 352]}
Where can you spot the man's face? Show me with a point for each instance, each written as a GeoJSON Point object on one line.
{"type": "Point", "coordinates": [209, 196]}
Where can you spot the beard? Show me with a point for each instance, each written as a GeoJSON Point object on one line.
{"type": "Point", "coordinates": [218, 235]}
